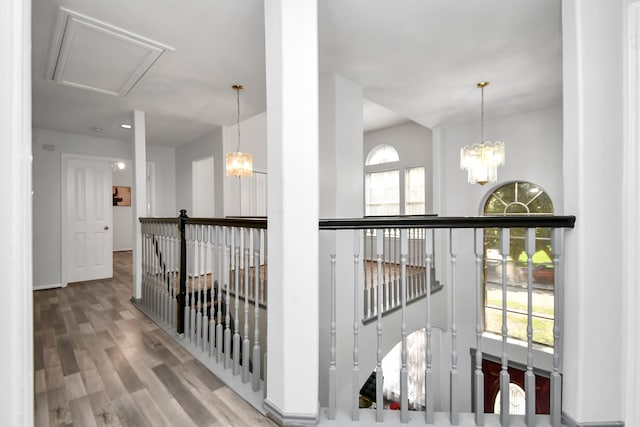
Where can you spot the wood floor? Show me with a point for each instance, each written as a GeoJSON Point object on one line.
{"type": "Point", "coordinates": [98, 361]}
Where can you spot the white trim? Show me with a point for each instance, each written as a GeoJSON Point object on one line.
{"type": "Point", "coordinates": [631, 207]}
{"type": "Point", "coordinates": [16, 316]}
{"type": "Point", "coordinates": [50, 286]}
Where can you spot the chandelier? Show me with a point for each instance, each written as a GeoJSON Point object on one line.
{"type": "Point", "coordinates": [239, 164]}
{"type": "Point", "coordinates": [482, 160]}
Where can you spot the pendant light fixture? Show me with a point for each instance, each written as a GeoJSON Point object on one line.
{"type": "Point", "coordinates": [482, 160]}
{"type": "Point", "coordinates": [239, 164]}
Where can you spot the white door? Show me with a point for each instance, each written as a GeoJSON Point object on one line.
{"type": "Point", "coordinates": [202, 185]}
{"type": "Point", "coordinates": [88, 234]}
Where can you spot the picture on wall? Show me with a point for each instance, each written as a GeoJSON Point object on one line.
{"type": "Point", "coordinates": [121, 196]}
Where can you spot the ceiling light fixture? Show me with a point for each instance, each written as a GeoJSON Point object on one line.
{"type": "Point", "coordinates": [125, 126]}
{"type": "Point", "coordinates": [118, 166]}
{"type": "Point", "coordinates": [239, 164]}
{"type": "Point", "coordinates": [482, 160]}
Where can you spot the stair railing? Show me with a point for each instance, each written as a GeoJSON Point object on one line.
{"type": "Point", "coordinates": [347, 374]}
{"type": "Point", "coordinates": [206, 280]}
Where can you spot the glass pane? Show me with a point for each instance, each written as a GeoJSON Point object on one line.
{"type": "Point", "coordinates": [382, 154]}
{"type": "Point", "coordinates": [414, 191]}
{"type": "Point", "coordinates": [519, 198]}
{"type": "Point", "coordinates": [382, 193]}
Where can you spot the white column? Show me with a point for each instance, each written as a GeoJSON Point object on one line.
{"type": "Point", "coordinates": [631, 245]}
{"type": "Point", "coordinates": [139, 195]}
{"type": "Point", "coordinates": [592, 164]}
{"type": "Point", "coordinates": [291, 41]}
{"type": "Point", "coordinates": [341, 190]}
{"type": "Point", "coordinates": [16, 316]}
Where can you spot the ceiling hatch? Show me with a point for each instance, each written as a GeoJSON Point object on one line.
{"type": "Point", "coordinates": [91, 54]}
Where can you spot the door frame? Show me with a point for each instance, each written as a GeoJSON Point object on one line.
{"type": "Point", "coordinates": [64, 234]}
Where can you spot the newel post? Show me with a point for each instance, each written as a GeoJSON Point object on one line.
{"type": "Point", "coordinates": [183, 271]}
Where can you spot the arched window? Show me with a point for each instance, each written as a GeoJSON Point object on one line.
{"type": "Point", "coordinates": [384, 192]}
{"type": "Point", "coordinates": [382, 154]}
{"type": "Point", "coordinates": [519, 198]}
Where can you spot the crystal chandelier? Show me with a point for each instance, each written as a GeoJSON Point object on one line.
{"type": "Point", "coordinates": [239, 164]}
{"type": "Point", "coordinates": [482, 160]}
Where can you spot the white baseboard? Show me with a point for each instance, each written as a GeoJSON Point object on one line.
{"type": "Point", "coordinates": [51, 286]}
{"type": "Point", "coordinates": [122, 250]}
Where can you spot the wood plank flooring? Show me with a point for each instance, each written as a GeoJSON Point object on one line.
{"type": "Point", "coordinates": [98, 361]}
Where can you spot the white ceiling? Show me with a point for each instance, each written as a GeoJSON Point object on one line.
{"type": "Point", "coordinates": [416, 60]}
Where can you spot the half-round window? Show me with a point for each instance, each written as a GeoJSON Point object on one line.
{"type": "Point", "coordinates": [382, 154]}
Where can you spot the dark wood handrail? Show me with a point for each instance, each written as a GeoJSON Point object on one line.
{"type": "Point", "coordinates": [246, 222]}
{"type": "Point", "coordinates": [511, 221]}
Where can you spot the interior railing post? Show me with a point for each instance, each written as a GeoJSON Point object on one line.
{"type": "Point", "coordinates": [256, 308]}
{"type": "Point", "coordinates": [530, 378]}
{"type": "Point", "coordinates": [404, 370]}
{"type": "Point", "coordinates": [227, 300]}
{"type": "Point", "coordinates": [379, 377]}
{"type": "Point", "coordinates": [556, 379]}
{"type": "Point", "coordinates": [236, 301]}
{"type": "Point", "coordinates": [355, 371]}
{"type": "Point", "coordinates": [220, 295]}
{"type": "Point", "coordinates": [505, 242]}
{"type": "Point", "coordinates": [197, 272]}
{"type": "Point", "coordinates": [332, 336]}
{"type": "Point", "coordinates": [478, 240]}
{"type": "Point", "coordinates": [454, 404]}
{"type": "Point", "coordinates": [246, 345]}
{"type": "Point", "coordinates": [205, 315]}
{"type": "Point", "coordinates": [428, 374]}
{"type": "Point", "coordinates": [182, 273]}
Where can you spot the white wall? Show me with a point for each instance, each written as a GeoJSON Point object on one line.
{"type": "Point", "coordinates": [123, 215]}
{"type": "Point", "coordinates": [47, 187]}
{"type": "Point", "coordinates": [206, 146]}
{"type": "Point", "coordinates": [533, 153]}
{"type": "Point", "coordinates": [414, 145]}
{"type": "Point", "coordinates": [253, 139]}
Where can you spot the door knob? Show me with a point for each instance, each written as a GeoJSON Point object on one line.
{"type": "Point", "coordinates": [106, 227]}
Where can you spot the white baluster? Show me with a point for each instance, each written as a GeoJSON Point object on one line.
{"type": "Point", "coordinates": [454, 415]}
{"type": "Point", "coordinates": [530, 378]}
{"type": "Point", "coordinates": [174, 279]}
{"type": "Point", "coordinates": [246, 344]}
{"type": "Point", "coordinates": [332, 350]}
{"type": "Point", "coordinates": [404, 370]}
{"type": "Point", "coordinates": [504, 373]}
{"type": "Point", "coordinates": [213, 230]}
{"type": "Point", "coordinates": [197, 267]}
{"type": "Point", "coordinates": [379, 373]}
{"type": "Point", "coordinates": [428, 374]}
{"type": "Point", "coordinates": [227, 301]}
{"type": "Point", "coordinates": [556, 379]}
{"type": "Point", "coordinates": [256, 309]}
{"type": "Point", "coordinates": [163, 263]}
{"type": "Point", "coordinates": [220, 295]}
{"type": "Point", "coordinates": [355, 371]}
{"type": "Point", "coordinates": [236, 290]}
{"type": "Point", "coordinates": [205, 317]}
{"type": "Point", "coordinates": [187, 295]}
{"type": "Point", "coordinates": [478, 240]}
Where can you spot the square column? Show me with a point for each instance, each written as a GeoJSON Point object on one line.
{"type": "Point", "coordinates": [291, 40]}
{"type": "Point", "coordinates": [592, 294]}
{"type": "Point", "coordinates": [139, 195]}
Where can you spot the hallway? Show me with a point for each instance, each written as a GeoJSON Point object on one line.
{"type": "Point", "coordinates": [98, 361]}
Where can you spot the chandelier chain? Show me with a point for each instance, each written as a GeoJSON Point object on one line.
{"type": "Point", "coordinates": [482, 115]}
{"type": "Point", "coordinates": [237, 88]}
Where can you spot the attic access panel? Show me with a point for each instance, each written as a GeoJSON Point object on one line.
{"type": "Point", "coordinates": [94, 55]}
